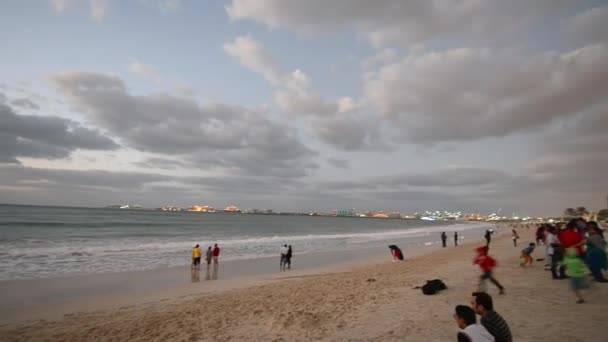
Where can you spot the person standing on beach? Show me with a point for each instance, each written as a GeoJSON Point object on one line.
{"type": "Point", "coordinates": [209, 258]}
{"type": "Point", "coordinates": [488, 237]}
{"type": "Point", "coordinates": [575, 270]}
{"type": "Point", "coordinates": [283, 252]}
{"type": "Point", "coordinates": [216, 260]}
{"type": "Point", "coordinates": [482, 305]}
{"type": "Point", "coordinates": [196, 257]}
{"type": "Point", "coordinates": [596, 252]}
{"type": "Point", "coordinates": [455, 238]}
{"type": "Point", "coordinates": [515, 237]}
{"type": "Point", "coordinates": [555, 252]}
{"type": "Point", "coordinates": [288, 257]}
{"type": "Point", "coordinates": [444, 238]}
{"type": "Point", "coordinates": [487, 265]}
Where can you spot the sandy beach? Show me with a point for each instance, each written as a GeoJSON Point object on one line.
{"type": "Point", "coordinates": [372, 302]}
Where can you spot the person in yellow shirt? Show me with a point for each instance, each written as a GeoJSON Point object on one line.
{"type": "Point", "coordinates": [196, 257]}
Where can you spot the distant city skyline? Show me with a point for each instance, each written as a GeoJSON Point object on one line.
{"type": "Point", "coordinates": [306, 105]}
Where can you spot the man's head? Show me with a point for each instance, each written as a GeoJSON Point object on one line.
{"type": "Point", "coordinates": [482, 303]}
{"type": "Point", "coordinates": [284, 245]}
{"type": "Point", "coordinates": [215, 245]}
{"type": "Point", "coordinates": [464, 316]}
{"type": "Point", "coordinates": [482, 250]}
{"type": "Point", "coordinates": [532, 244]}
{"type": "Point", "coordinates": [196, 246]}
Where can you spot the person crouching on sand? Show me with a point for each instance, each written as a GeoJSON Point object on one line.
{"type": "Point", "coordinates": [487, 265]}
{"type": "Point", "coordinates": [526, 255]}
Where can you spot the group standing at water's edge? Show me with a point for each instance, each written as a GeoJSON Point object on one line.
{"type": "Point", "coordinates": [211, 255]}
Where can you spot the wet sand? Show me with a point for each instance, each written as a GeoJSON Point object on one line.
{"type": "Point", "coordinates": [372, 302]}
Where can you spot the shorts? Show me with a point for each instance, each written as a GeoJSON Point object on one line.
{"type": "Point", "coordinates": [196, 261]}
{"type": "Point", "coordinates": [578, 283]}
{"type": "Point", "coordinates": [208, 261]}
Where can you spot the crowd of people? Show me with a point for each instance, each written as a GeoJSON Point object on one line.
{"type": "Point", "coordinates": [211, 256]}
{"type": "Point", "coordinates": [572, 251]}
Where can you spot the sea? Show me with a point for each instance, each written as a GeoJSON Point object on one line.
{"type": "Point", "coordinates": [49, 242]}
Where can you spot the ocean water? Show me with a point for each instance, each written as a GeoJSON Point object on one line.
{"type": "Point", "coordinates": [42, 242]}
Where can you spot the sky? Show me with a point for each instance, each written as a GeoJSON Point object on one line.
{"type": "Point", "coordinates": [470, 105]}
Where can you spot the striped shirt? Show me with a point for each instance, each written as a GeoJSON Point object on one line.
{"type": "Point", "coordinates": [497, 326]}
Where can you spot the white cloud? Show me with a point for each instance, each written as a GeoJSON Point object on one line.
{"type": "Point", "coordinates": [61, 5]}
{"type": "Point", "coordinates": [590, 26]}
{"type": "Point", "coordinates": [403, 22]}
{"type": "Point", "coordinates": [99, 9]}
{"type": "Point", "coordinates": [147, 71]}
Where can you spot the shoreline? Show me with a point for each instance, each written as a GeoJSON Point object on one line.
{"type": "Point", "coordinates": [26, 300]}
{"type": "Point", "coordinates": [365, 302]}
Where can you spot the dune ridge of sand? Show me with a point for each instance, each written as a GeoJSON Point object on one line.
{"type": "Point", "coordinates": [369, 303]}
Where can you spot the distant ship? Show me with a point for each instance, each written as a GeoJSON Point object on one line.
{"type": "Point", "coordinates": [232, 209]}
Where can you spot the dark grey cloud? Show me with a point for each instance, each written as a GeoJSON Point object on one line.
{"type": "Point", "coordinates": [468, 94]}
{"type": "Point", "coordinates": [45, 137]}
{"type": "Point", "coordinates": [404, 22]}
{"type": "Point", "coordinates": [233, 138]}
{"type": "Point", "coordinates": [25, 103]}
{"type": "Point", "coordinates": [41, 177]}
{"type": "Point", "coordinates": [338, 162]}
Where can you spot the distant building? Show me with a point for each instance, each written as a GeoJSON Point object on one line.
{"type": "Point", "coordinates": [232, 209]}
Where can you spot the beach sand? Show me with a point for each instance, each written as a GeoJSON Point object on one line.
{"type": "Point", "coordinates": [368, 303]}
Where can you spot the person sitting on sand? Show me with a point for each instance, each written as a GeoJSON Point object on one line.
{"type": "Point", "coordinates": [483, 305]}
{"type": "Point", "coordinates": [196, 257]}
{"type": "Point", "coordinates": [470, 330]}
{"type": "Point", "coordinates": [487, 265]}
{"type": "Point", "coordinates": [526, 255]}
{"type": "Point", "coordinates": [575, 270]}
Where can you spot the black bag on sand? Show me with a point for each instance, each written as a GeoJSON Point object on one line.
{"type": "Point", "coordinates": [433, 286]}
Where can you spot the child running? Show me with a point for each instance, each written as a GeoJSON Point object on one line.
{"type": "Point", "coordinates": [575, 270]}
{"type": "Point", "coordinates": [487, 265]}
{"type": "Point", "coordinates": [526, 255]}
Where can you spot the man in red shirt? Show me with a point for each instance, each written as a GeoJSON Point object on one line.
{"type": "Point", "coordinates": [216, 260]}
{"type": "Point", "coordinates": [571, 238]}
{"type": "Point", "coordinates": [487, 265]}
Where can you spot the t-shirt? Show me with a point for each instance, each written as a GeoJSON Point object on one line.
{"type": "Point", "coordinates": [283, 251]}
{"type": "Point", "coordinates": [216, 251]}
{"type": "Point", "coordinates": [571, 237]}
{"type": "Point", "coordinates": [551, 239]}
{"type": "Point", "coordinates": [196, 252]}
{"type": "Point", "coordinates": [528, 250]}
{"type": "Point", "coordinates": [209, 254]}
{"type": "Point", "coordinates": [497, 326]}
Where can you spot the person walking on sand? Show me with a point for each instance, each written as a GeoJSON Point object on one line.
{"type": "Point", "coordinates": [575, 270]}
{"type": "Point", "coordinates": [288, 256]}
{"type": "Point", "coordinates": [487, 265]}
{"type": "Point", "coordinates": [283, 252]}
{"type": "Point", "coordinates": [455, 238]}
{"type": "Point", "coordinates": [196, 257]}
{"type": "Point", "coordinates": [209, 258]}
{"type": "Point", "coordinates": [470, 330]}
{"type": "Point", "coordinates": [488, 237]}
{"type": "Point", "coordinates": [444, 238]}
{"type": "Point", "coordinates": [555, 252]}
{"type": "Point", "coordinates": [482, 305]}
{"type": "Point", "coordinates": [596, 252]}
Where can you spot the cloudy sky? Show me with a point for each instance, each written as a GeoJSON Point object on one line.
{"type": "Point", "coordinates": [466, 105]}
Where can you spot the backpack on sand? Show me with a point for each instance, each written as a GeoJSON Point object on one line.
{"type": "Point", "coordinates": [433, 286]}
